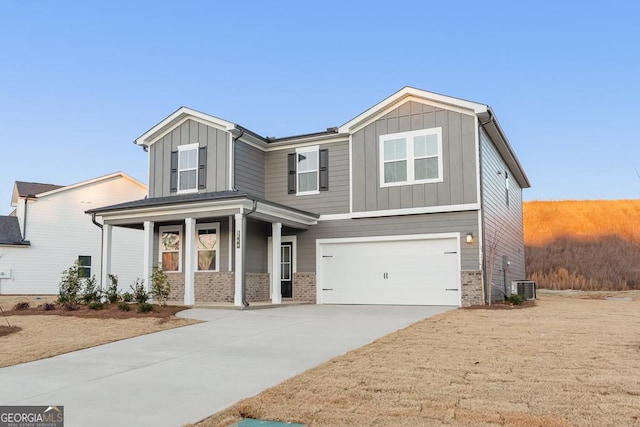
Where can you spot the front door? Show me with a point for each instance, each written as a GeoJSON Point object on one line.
{"type": "Point", "coordinates": [286, 270]}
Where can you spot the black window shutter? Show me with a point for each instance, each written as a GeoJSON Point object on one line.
{"type": "Point", "coordinates": [173, 178]}
{"type": "Point", "coordinates": [202, 168]}
{"type": "Point", "coordinates": [324, 170]}
{"type": "Point", "coordinates": [291, 178]}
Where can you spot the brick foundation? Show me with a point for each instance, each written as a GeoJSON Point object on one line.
{"type": "Point", "coordinates": [472, 292]}
{"type": "Point", "coordinates": [304, 287]}
{"type": "Point", "coordinates": [210, 286]}
{"type": "Point", "coordinates": [177, 286]}
{"type": "Point", "coordinates": [257, 287]}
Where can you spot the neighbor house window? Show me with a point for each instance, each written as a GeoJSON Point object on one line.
{"type": "Point", "coordinates": [170, 248]}
{"type": "Point", "coordinates": [84, 266]}
{"type": "Point", "coordinates": [187, 168]}
{"type": "Point", "coordinates": [411, 157]}
{"type": "Point", "coordinates": [207, 246]}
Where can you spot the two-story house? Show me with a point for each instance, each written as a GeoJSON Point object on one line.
{"type": "Point", "coordinates": [418, 200]}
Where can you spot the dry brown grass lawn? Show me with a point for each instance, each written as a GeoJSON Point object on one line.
{"type": "Point", "coordinates": [45, 335]}
{"type": "Point", "coordinates": [569, 360]}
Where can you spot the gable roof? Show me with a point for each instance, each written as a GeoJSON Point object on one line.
{"type": "Point", "coordinates": [27, 189]}
{"type": "Point", "coordinates": [10, 231]}
{"type": "Point", "coordinates": [93, 181]}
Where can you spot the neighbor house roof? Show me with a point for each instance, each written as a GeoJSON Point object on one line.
{"type": "Point", "coordinates": [10, 231]}
{"type": "Point", "coordinates": [26, 189]}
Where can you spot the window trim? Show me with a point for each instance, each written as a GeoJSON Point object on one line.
{"type": "Point", "coordinates": [411, 158]}
{"type": "Point", "coordinates": [188, 147]}
{"type": "Point", "coordinates": [174, 228]}
{"type": "Point", "coordinates": [310, 149]}
{"type": "Point", "coordinates": [208, 226]}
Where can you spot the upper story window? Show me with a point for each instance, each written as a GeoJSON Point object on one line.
{"type": "Point", "coordinates": [207, 246]}
{"type": "Point", "coordinates": [413, 157]}
{"type": "Point", "coordinates": [308, 171]}
{"type": "Point", "coordinates": [188, 168]}
{"type": "Point", "coordinates": [171, 248]}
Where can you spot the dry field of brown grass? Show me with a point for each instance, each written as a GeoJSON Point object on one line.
{"type": "Point", "coordinates": [573, 359]}
{"type": "Point", "coordinates": [584, 244]}
{"type": "Point", "coordinates": [47, 335]}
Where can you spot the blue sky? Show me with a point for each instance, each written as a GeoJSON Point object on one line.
{"type": "Point", "coordinates": [80, 81]}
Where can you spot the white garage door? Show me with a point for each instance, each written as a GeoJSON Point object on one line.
{"type": "Point", "coordinates": [409, 272]}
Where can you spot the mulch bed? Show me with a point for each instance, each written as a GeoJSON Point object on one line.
{"type": "Point", "coordinates": [8, 330]}
{"type": "Point", "coordinates": [109, 311]}
{"type": "Point", "coordinates": [505, 305]}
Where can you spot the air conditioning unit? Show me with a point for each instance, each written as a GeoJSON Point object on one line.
{"type": "Point", "coordinates": [526, 288]}
{"type": "Point", "coordinates": [5, 273]}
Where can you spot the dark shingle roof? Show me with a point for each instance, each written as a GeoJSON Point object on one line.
{"type": "Point", "coordinates": [34, 188]}
{"type": "Point", "coordinates": [191, 198]}
{"type": "Point", "coordinates": [10, 231]}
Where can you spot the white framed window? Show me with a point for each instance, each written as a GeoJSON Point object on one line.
{"type": "Point", "coordinates": [188, 168]}
{"type": "Point", "coordinates": [170, 245]}
{"type": "Point", "coordinates": [413, 157]}
{"type": "Point", "coordinates": [307, 170]}
{"type": "Point", "coordinates": [207, 244]}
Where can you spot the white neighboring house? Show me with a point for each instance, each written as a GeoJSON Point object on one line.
{"type": "Point", "coordinates": [49, 231]}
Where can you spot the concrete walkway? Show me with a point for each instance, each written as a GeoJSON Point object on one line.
{"type": "Point", "coordinates": [182, 375]}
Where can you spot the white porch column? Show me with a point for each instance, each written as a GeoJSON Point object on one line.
{"type": "Point", "coordinates": [147, 262]}
{"type": "Point", "coordinates": [189, 260]}
{"type": "Point", "coordinates": [238, 271]}
{"type": "Point", "coordinates": [107, 233]}
{"type": "Point", "coordinates": [276, 241]}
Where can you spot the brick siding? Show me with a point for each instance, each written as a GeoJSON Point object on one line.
{"type": "Point", "coordinates": [472, 292]}
{"type": "Point", "coordinates": [214, 286]}
{"type": "Point", "coordinates": [304, 287]}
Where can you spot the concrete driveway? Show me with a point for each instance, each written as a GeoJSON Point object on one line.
{"type": "Point", "coordinates": [182, 375]}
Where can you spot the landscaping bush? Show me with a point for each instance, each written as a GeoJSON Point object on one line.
{"type": "Point", "coordinates": [90, 291]}
{"type": "Point", "coordinates": [95, 305]}
{"type": "Point", "coordinates": [160, 286]}
{"type": "Point", "coordinates": [23, 305]}
{"type": "Point", "coordinates": [127, 297]}
{"type": "Point", "coordinates": [70, 306]}
{"type": "Point", "coordinates": [111, 293]}
{"type": "Point", "coordinates": [70, 286]}
{"type": "Point", "coordinates": [516, 299]}
{"type": "Point", "coordinates": [139, 292]}
{"type": "Point", "coordinates": [145, 307]}
{"type": "Point", "coordinates": [48, 306]}
{"type": "Point", "coordinates": [123, 306]}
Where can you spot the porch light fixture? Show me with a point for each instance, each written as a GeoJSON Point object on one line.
{"type": "Point", "coordinates": [469, 238]}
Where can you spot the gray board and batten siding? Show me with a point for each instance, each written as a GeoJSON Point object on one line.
{"type": "Point", "coordinates": [502, 219]}
{"type": "Point", "coordinates": [249, 169]}
{"type": "Point", "coordinates": [189, 132]}
{"type": "Point", "coordinates": [333, 201]}
{"type": "Point", "coordinates": [459, 160]}
{"type": "Point", "coordinates": [462, 222]}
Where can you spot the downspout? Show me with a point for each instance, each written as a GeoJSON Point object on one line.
{"type": "Point", "coordinates": [244, 263]}
{"type": "Point", "coordinates": [93, 220]}
{"type": "Point", "coordinates": [235, 135]}
{"type": "Point", "coordinates": [24, 220]}
{"type": "Point", "coordinates": [488, 288]}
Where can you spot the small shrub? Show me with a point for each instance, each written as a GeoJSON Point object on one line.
{"type": "Point", "coordinates": [95, 305]}
{"type": "Point", "coordinates": [23, 305]}
{"type": "Point", "coordinates": [139, 292]}
{"type": "Point", "coordinates": [111, 293]}
{"type": "Point", "coordinates": [145, 307]}
{"type": "Point", "coordinates": [90, 291]}
{"type": "Point", "coordinates": [70, 306]}
{"type": "Point", "coordinates": [48, 306]}
{"type": "Point", "coordinates": [160, 286]}
{"type": "Point", "coordinates": [127, 297]}
{"type": "Point", "coordinates": [70, 285]}
{"type": "Point", "coordinates": [123, 306]}
{"type": "Point", "coordinates": [516, 299]}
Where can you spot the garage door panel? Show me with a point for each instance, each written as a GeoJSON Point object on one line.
{"type": "Point", "coordinates": [411, 272]}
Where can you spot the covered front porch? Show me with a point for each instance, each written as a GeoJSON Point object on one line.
{"type": "Point", "coordinates": [216, 248]}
